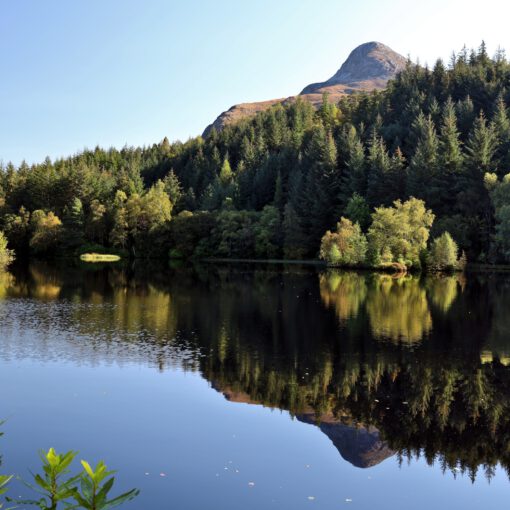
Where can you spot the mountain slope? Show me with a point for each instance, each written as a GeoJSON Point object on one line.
{"type": "Point", "coordinates": [368, 67]}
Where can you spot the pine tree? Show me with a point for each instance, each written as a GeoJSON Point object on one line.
{"type": "Point", "coordinates": [226, 172]}
{"type": "Point", "coordinates": [424, 164]}
{"type": "Point", "coordinates": [474, 199]}
{"type": "Point", "coordinates": [173, 187]}
{"type": "Point", "coordinates": [501, 126]}
{"type": "Point", "coordinates": [451, 160]}
{"type": "Point", "coordinates": [74, 225]}
{"type": "Point", "coordinates": [278, 193]}
{"type": "Point", "coordinates": [320, 184]}
{"type": "Point", "coordinates": [379, 167]}
{"type": "Point", "coordinates": [397, 184]}
{"type": "Point", "coordinates": [481, 147]}
{"type": "Point", "coordinates": [353, 176]}
{"type": "Point", "coordinates": [465, 114]}
{"type": "Point", "coordinates": [294, 240]}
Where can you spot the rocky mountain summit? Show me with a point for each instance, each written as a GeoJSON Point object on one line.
{"type": "Point", "coordinates": [368, 67]}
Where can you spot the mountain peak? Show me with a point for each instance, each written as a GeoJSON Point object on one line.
{"type": "Point", "coordinates": [368, 67]}
{"type": "Point", "coordinates": [371, 63]}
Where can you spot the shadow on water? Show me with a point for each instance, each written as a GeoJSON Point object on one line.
{"type": "Point", "coordinates": [407, 367]}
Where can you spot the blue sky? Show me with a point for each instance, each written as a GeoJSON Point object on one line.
{"type": "Point", "coordinates": [81, 73]}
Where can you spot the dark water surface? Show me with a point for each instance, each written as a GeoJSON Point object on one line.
{"type": "Point", "coordinates": [252, 387]}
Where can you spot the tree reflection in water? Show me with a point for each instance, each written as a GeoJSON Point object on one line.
{"type": "Point", "coordinates": [410, 366]}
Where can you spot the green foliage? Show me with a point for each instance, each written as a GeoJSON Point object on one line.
{"type": "Point", "coordinates": [443, 253]}
{"type": "Point", "coordinates": [88, 490]}
{"type": "Point", "coordinates": [173, 187]}
{"type": "Point", "coordinates": [6, 255]}
{"type": "Point", "coordinates": [400, 232]}
{"type": "Point", "coordinates": [268, 233]}
{"type": "Point", "coordinates": [73, 234]}
{"type": "Point", "coordinates": [357, 211]}
{"type": "Point", "coordinates": [95, 486]}
{"type": "Point", "coordinates": [431, 134]}
{"type": "Point", "coordinates": [345, 247]}
{"type": "Point", "coordinates": [294, 237]}
{"type": "Point", "coordinates": [140, 222]}
{"type": "Point", "coordinates": [189, 231]}
{"type": "Point", "coordinates": [234, 234]}
{"type": "Point", "coordinates": [46, 231]}
{"type": "Point", "coordinates": [4, 482]}
{"type": "Point", "coordinates": [500, 196]}
{"type": "Point", "coordinates": [17, 230]}
{"type": "Point", "coordinates": [54, 484]}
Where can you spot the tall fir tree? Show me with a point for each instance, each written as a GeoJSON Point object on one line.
{"type": "Point", "coordinates": [379, 173]}
{"type": "Point", "coordinates": [451, 160]}
{"type": "Point", "coordinates": [74, 225]}
{"type": "Point", "coordinates": [424, 164]}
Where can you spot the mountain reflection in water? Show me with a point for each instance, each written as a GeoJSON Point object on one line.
{"type": "Point", "coordinates": [411, 366]}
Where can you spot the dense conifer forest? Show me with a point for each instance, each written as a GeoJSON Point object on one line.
{"type": "Point", "coordinates": [272, 185]}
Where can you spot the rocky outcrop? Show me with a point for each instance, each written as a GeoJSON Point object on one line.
{"type": "Point", "coordinates": [368, 67]}
{"type": "Point", "coordinates": [361, 446]}
{"type": "Point", "coordinates": [358, 445]}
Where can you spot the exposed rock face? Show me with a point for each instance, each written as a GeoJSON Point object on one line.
{"type": "Point", "coordinates": [368, 67]}
{"type": "Point", "coordinates": [360, 446]}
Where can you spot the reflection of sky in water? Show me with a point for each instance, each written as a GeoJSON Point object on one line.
{"type": "Point", "coordinates": [126, 370]}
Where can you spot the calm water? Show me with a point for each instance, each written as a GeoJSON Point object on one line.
{"type": "Point", "coordinates": [263, 387]}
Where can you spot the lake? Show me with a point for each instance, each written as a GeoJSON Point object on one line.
{"type": "Point", "coordinates": [252, 386]}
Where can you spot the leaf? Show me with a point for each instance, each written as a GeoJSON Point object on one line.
{"type": "Point", "coordinates": [87, 468]}
{"type": "Point", "coordinates": [103, 493]}
{"type": "Point", "coordinates": [119, 500]}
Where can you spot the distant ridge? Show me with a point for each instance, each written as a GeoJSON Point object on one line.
{"type": "Point", "coordinates": [368, 67]}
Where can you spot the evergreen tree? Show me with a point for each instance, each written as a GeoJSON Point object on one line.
{"type": "Point", "coordinates": [357, 211]}
{"type": "Point", "coordinates": [501, 126]}
{"type": "Point", "coordinates": [474, 199]}
{"type": "Point", "coordinates": [451, 160]}
{"type": "Point", "coordinates": [74, 225]}
{"type": "Point", "coordinates": [293, 235]}
{"type": "Point", "coordinates": [353, 177]}
{"type": "Point", "coordinates": [379, 173]}
{"type": "Point", "coordinates": [423, 169]}
{"type": "Point", "coordinates": [173, 187]}
{"type": "Point", "coordinates": [278, 193]}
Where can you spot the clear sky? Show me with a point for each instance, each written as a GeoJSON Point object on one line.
{"type": "Point", "coordinates": [81, 73]}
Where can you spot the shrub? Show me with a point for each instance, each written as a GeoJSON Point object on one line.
{"type": "Point", "coordinates": [346, 247]}
{"type": "Point", "coordinates": [443, 253]}
{"type": "Point", "coordinates": [6, 255]}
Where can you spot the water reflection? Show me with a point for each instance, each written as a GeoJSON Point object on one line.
{"type": "Point", "coordinates": [384, 366]}
{"type": "Point", "coordinates": [398, 308]}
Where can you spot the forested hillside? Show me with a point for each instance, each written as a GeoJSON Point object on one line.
{"type": "Point", "coordinates": [270, 186]}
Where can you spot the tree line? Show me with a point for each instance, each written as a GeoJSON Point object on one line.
{"type": "Point", "coordinates": [270, 186]}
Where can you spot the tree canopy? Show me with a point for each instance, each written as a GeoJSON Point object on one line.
{"type": "Point", "coordinates": [432, 134]}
